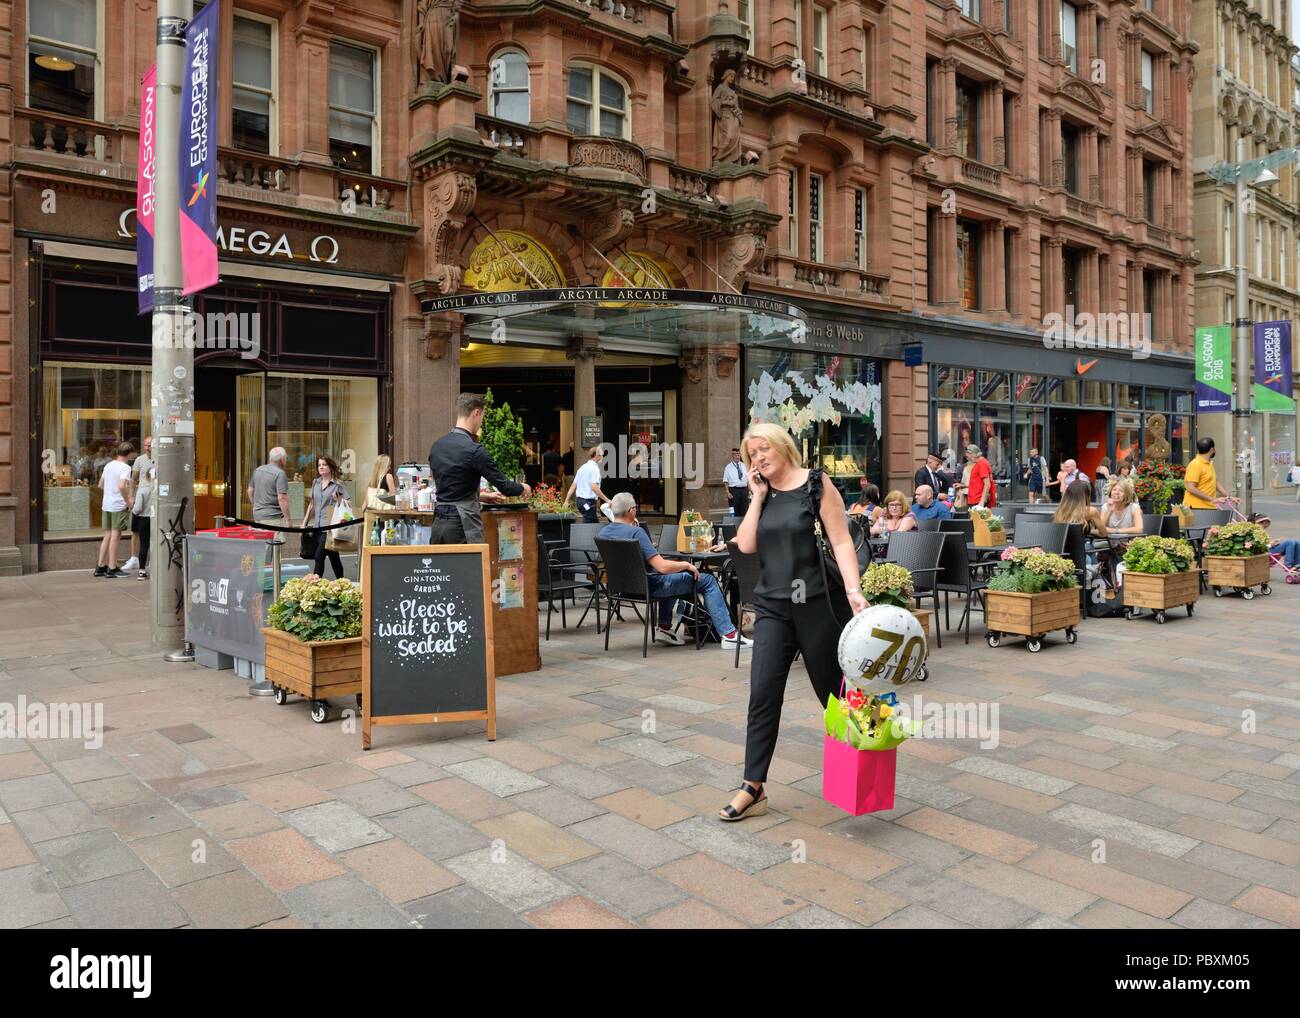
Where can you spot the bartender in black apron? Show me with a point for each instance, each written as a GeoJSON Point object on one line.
{"type": "Point", "coordinates": [458, 463]}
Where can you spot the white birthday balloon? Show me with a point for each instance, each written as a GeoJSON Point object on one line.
{"type": "Point", "coordinates": [884, 642]}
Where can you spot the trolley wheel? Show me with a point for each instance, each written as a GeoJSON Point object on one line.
{"type": "Point", "coordinates": [1191, 610]}
{"type": "Point", "coordinates": [1130, 613]}
{"type": "Point", "coordinates": [1265, 589]}
{"type": "Point", "coordinates": [320, 710]}
{"type": "Point", "coordinates": [1160, 617]}
{"type": "Point", "coordinates": [923, 674]}
{"type": "Point", "coordinates": [1035, 644]}
{"type": "Point", "coordinates": [1292, 578]}
{"type": "Point", "coordinates": [1218, 591]}
{"type": "Point", "coordinates": [358, 701]}
{"type": "Point", "coordinates": [1071, 636]}
{"type": "Point", "coordinates": [281, 695]}
{"type": "Point", "coordinates": [993, 639]}
{"type": "Point", "coordinates": [1248, 593]}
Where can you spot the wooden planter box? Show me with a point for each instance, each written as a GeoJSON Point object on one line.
{"type": "Point", "coordinates": [1236, 571]}
{"type": "Point", "coordinates": [987, 538]}
{"type": "Point", "coordinates": [1160, 591]}
{"type": "Point", "coordinates": [923, 617]}
{"type": "Point", "coordinates": [317, 670]}
{"type": "Point", "coordinates": [1032, 614]}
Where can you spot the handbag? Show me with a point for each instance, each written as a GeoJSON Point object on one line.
{"type": "Point", "coordinates": [310, 542]}
{"type": "Point", "coordinates": [343, 539]}
{"type": "Point", "coordinates": [830, 568]}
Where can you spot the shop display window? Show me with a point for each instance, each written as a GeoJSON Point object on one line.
{"type": "Point", "coordinates": [954, 383]}
{"type": "Point", "coordinates": [86, 410]}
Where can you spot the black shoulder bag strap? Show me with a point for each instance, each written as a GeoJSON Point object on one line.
{"type": "Point", "coordinates": [830, 568]}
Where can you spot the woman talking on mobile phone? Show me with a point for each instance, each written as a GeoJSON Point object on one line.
{"type": "Point", "coordinates": [803, 601]}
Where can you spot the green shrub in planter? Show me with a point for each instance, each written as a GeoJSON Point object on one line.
{"type": "Point", "coordinates": [312, 608]}
{"type": "Point", "coordinates": [1159, 555]}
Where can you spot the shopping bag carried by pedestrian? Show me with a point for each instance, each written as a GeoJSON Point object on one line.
{"type": "Point", "coordinates": [344, 539]}
{"type": "Point", "coordinates": [860, 751]}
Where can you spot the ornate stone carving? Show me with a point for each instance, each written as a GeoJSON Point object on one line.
{"type": "Point", "coordinates": [727, 118]}
{"type": "Point", "coordinates": [693, 361]}
{"type": "Point", "coordinates": [437, 34]}
{"type": "Point", "coordinates": [448, 198]}
{"type": "Point", "coordinates": [603, 233]}
{"type": "Point", "coordinates": [739, 255]}
{"type": "Point", "coordinates": [724, 360]}
{"type": "Point", "coordinates": [607, 154]}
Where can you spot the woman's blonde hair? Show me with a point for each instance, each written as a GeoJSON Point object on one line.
{"type": "Point", "coordinates": [383, 464]}
{"type": "Point", "coordinates": [895, 496]}
{"type": "Point", "coordinates": [1075, 504]}
{"type": "Point", "coordinates": [1124, 485]}
{"type": "Point", "coordinates": [775, 436]}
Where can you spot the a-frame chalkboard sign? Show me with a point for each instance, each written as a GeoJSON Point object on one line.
{"type": "Point", "coordinates": [426, 637]}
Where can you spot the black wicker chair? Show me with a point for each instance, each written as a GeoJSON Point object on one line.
{"type": "Point", "coordinates": [627, 582]}
{"type": "Point", "coordinates": [1051, 537]}
{"type": "Point", "coordinates": [556, 579]}
{"type": "Point", "coordinates": [957, 576]}
{"type": "Point", "coordinates": [919, 554]}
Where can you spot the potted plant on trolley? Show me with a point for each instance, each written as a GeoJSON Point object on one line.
{"type": "Point", "coordinates": [313, 642]}
{"type": "Point", "coordinates": [890, 583]}
{"type": "Point", "coordinates": [553, 516]}
{"type": "Point", "coordinates": [988, 529]}
{"type": "Point", "coordinates": [1158, 574]}
{"type": "Point", "coordinates": [1236, 556]}
{"type": "Point", "coordinates": [1031, 594]}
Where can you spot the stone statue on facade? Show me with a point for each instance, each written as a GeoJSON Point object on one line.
{"type": "Point", "coordinates": [437, 32]}
{"type": "Point", "coordinates": [727, 118]}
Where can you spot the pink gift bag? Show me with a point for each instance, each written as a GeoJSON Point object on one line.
{"type": "Point", "coordinates": [858, 781]}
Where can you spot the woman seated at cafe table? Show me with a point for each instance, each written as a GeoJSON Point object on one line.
{"type": "Point", "coordinates": [868, 503]}
{"type": "Point", "coordinates": [1121, 513]}
{"type": "Point", "coordinates": [1076, 507]}
{"type": "Point", "coordinates": [896, 517]}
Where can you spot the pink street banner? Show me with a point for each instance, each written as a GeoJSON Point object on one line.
{"type": "Point", "coordinates": [144, 191]}
{"type": "Point", "coordinates": [198, 151]}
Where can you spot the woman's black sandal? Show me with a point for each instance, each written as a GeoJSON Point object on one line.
{"type": "Point", "coordinates": [756, 808]}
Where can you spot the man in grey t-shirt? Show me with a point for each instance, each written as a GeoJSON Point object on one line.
{"type": "Point", "coordinates": [268, 491]}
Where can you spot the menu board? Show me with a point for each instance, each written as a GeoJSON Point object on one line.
{"type": "Point", "coordinates": [427, 636]}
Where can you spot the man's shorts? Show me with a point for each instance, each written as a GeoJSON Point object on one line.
{"type": "Point", "coordinates": [115, 520]}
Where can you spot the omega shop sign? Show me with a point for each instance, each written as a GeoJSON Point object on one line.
{"type": "Point", "coordinates": [237, 240]}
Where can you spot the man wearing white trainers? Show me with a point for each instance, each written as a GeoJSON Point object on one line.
{"type": "Point", "coordinates": [670, 579]}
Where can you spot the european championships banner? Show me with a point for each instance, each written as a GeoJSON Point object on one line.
{"type": "Point", "coordinates": [1214, 369]}
{"type": "Point", "coordinates": [1273, 368]}
{"type": "Point", "coordinates": [144, 191]}
{"type": "Point", "coordinates": [199, 152]}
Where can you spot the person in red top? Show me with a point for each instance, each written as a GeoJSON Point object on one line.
{"type": "Point", "coordinates": [983, 492]}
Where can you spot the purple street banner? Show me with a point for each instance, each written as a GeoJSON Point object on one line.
{"type": "Point", "coordinates": [144, 191]}
{"type": "Point", "coordinates": [1214, 369]}
{"type": "Point", "coordinates": [198, 166]}
{"type": "Point", "coordinates": [1273, 368]}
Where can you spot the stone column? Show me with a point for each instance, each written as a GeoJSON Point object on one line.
{"type": "Point", "coordinates": [426, 382]}
{"type": "Point", "coordinates": [1053, 278]}
{"type": "Point", "coordinates": [1056, 167]}
{"type": "Point", "coordinates": [711, 418]}
{"type": "Point", "coordinates": [946, 289]}
{"type": "Point", "coordinates": [995, 93]}
{"type": "Point", "coordinates": [1086, 37]}
{"type": "Point", "coordinates": [948, 99]}
{"type": "Point", "coordinates": [312, 66]}
{"type": "Point", "coordinates": [994, 267]}
{"type": "Point", "coordinates": [1090, 291]}
{"type": "Point", "coordinates": [584, 350]}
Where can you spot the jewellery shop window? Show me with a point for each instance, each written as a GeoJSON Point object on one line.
{"type": "Point", "coordinates": [86, 411]}
{"type": "Point", "coordinates": [830, 404]}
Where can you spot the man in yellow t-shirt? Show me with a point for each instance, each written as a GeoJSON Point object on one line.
{"type": "Point", "coordinates": [1201, 484]}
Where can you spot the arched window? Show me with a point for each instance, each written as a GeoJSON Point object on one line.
{"type": "Point", "coordinates": [508, 82]}
{"type": "Point", "coordinates": [597, 103]}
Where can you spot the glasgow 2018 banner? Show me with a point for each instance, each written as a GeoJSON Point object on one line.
{"type": "Point", "coordinates": [144, 190]}
{"type": "Point", "coordinates": [1273, 368]}
{"type": "Point", "coordinates": [198, 151]}
{"type": "Point", "coordinates": [1214, 369]}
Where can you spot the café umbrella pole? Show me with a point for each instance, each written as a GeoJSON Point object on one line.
{"type": "Point", "coordinates": [172, 380]}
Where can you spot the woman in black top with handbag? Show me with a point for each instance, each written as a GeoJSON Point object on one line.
{"type": "Point", "coordinates": [807, 591]}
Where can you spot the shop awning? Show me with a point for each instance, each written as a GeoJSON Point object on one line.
{"type": "Point", "coordinates": [624, 316]}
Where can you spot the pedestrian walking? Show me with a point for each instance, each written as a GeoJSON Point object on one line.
{"type": "Point", "coordinates": [980, 490]}
{"type": "Point", "coordinates": [803, 602]}
{"type": "Point", "coordinates": [1102, 480]}
{"type": "Point", "coordinates": [586, 486]}
{"type": "Point", "coordinates": [382, 482]}
{"type": "Point", "coordinates": [268, 490]}
{"type": "Point", "coordinates": [1201, 487]}
{"type": "Point", "coordinates": [116, 483]}
{"type": "Point", "coordinates": [142, 513]}
{"type": "Point", "coordinates": [736, 480]}
{"type": "Point", "coordinates": [327, 491]}
{"type": "Point", "coordinates": [1036, 476]}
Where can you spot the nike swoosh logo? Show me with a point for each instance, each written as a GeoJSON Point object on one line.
{"type": "Point", "coordinates": [1082, 368]}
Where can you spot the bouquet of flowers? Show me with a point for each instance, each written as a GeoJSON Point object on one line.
{"type": "Point", "coordinates": [547, 498]}
{"type": "Point", "coordinates": [1032, 571]}
{"type": "Point", "coordinates": [1238, 540]}
{"type": "Point", "coordinates": [866, 721]}
{"type": "Point", "coordinates": [313, 608]}
{"type": "Point", "coordinates": [1158, 555]}
{"type": "Point", "coordinates": [887, 583]}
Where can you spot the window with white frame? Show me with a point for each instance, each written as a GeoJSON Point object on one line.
{"type": "Point", "coordinates": [860, 227]}
{"type": "Point", "coordinates": [792, 212]}
{"type": "Point", "coordinates": [63, 57]}
{"type": "Point", "coordinates": [819, 40]}
{"type": "Point", "coordinates": [798, 29]}
{"type": "Point", "coordinates": [1148, 91]}
{"type": "Point", "coordinates": [508, 84]}
{"type": "Point", "coordinates": [971, 9]}
{"type": "Point", "coordinates": [353, 104]}
{"type": "Point", "coordinates": [597, 103]}
{"type": "Point", "coordinates": [815, 192]}
{"type": "Point", "coordinates": [745, 12]}
{"type": "Point", "coordinates": [253, 89]}
{"type": "Point", "coordinates": [1070, 36]}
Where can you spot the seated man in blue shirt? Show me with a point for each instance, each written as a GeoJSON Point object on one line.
{"type": "Point", "coordinates": [671, 579]}
{"type": "Point", "coordinates": [927, 507]}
